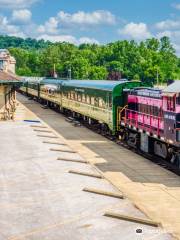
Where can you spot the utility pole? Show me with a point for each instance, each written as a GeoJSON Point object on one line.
{"type": "Point", "coordinates": [157, 76]}
{"type": "Point", "coordinates": [70, 73]}
{"type": "Point", "coordinates": [54, 71]}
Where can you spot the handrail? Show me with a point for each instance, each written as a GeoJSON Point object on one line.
{"type": "Point", "coordinates": [119, 115]}
{"type": "Point", "coordinates": [134, 120]}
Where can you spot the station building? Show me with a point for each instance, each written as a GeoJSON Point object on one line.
{"type": "Point", "coordinates": [8, 84]}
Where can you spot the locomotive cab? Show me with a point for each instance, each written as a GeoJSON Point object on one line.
{"type": "Point", "coordinates": [171, 107]}
{"type": "Point", "coordinates": [178, 118]}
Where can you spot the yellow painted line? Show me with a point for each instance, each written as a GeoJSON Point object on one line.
{"type": "Point", "coordinates": [105, 193]}
{"type": "Point", "coordinates": [132, 219]}
{"type": "Point", "coordinates": [40, 130]}
{"type": "Point", "coordinates": [62, 150]}
{"type": "Point", "coordinates": [55, 143]}
{"type": "Point", "coordinates": [46, 136]}
{"type": "Point", "coordinates": [86, 174]}
{"type": "Point", "coordinates": [38, 126]}
{"type": "Point", "coordinates": [72, 160]}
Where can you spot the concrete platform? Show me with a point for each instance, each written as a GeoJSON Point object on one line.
{"type": "Point", "coordinates": [155, 190]}
{"type": "Point", "coordinates": [40, 199]}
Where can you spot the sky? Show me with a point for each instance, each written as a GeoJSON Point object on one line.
{"type": "Point", "coordinates": [91, 21]}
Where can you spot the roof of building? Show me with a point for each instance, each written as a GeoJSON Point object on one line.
{"type": "Point", "coordinates": [173, 88]}
{"type": "Point", "coordinates": [7, 78]}
{"type": "Point", "coordinates": [95, 84]}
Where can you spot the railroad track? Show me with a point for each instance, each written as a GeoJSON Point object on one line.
{"type": "Point", "coordinates": [153, 158]}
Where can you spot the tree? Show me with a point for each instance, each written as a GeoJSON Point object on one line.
{"type": "Point", "coordinates": [98, 73]}
{"type": "Point", "coordinates": [126, 59]}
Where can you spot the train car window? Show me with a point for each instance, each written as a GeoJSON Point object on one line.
{"type": "Point", "coordinates": [178, 100]}
{"type": "Point", "coordinates": [170, 104]}
{"type": "Point", "coordinates": [75, 96]}
{"type": "Point", "coordinates": [110, 100]}
{"type": "Point", "coordinates": [132, 106]}
{"type": "Point", "coordinates": [138, 107]}
{"type": "Point", "coordinates": [92, 101]}
{"type": "Point", "coordinates": [72, 95]}
{"type": "Point", "coordinates": [156, 111]}
{"type": "Point", "coordinates": [178, 118]}
{"type": "Point", "coordinates": [96, 101]}
{"type": "Point", "coordinates": [151, 110]}
{"type": "Point", "coordinates": [147, 109]}
{"type": "Point", "coordinates": [79, 97]}
{"type": "Point", "coordinates": [88, 99]}
{"type": "Point", "coordinates": [83, 98]}
{"type": "Point", "coordinates": [101, 103]}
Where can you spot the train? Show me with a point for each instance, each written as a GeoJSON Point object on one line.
{"type": "Point", "coordinates": [146, 118]}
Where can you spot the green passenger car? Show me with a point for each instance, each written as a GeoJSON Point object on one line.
{"type": "Point", "coordinates": [97, 100]}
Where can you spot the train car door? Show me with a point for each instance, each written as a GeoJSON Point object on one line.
{"type": "Point", "coordinates": [109, 106]}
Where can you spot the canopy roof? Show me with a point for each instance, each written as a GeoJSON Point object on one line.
{"type": "Point", "coordinates": [173, 88]}
{"type": "Point", "coordinates": [8, 78]}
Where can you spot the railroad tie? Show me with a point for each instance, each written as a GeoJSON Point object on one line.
{"type": "Point", "coordinates": [46, 136]}
{"type": "Point", "coordinates": [132, 219]}
{"type": "Point", "coordinates": [55, 143]}
{"type": "Point", "coordinates": [105, 193]}
{"type": "Point", "coordinates": [73, 160]}
{"type": "Point", "coordinates": [38, 126]}
{"type": "Point", "coordinates": [62, 150]}
{"type": "Point", "coordinates": [86, 174]}
{"type": "Point", "coordinates": [41, 130]}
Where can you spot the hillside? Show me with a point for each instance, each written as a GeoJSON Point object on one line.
{"type": "Point", "coordinates": [146, 60]}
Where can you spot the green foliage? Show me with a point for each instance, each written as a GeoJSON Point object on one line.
{"type": "Point", "coordinates": [28, 43]}
{"type": "Point", "coordinates": [148, 61]}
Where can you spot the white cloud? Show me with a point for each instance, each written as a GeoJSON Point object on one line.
{"type": "Point", "coordinates": [53, 28]}
{"type": "Point", "coordinates": [176, 5]}
{"type": "Point", "coordinates": [168, 24]}
{"type": "Point", "coordinates": [80, 20]}
{"type": "Point", "coordinates": [14, 4]}
{"type": "Point", "coordinates": [171, 29]}
{"type": "Point", "coordinates": [20, 24]}
{"type": "Point", "coordinates": [164, 33]}
{"type": "Point", "coordinates": [58, 38]}
{"type": "Point", "coordinates": [68, 38]}
{"type": "Point", "coordinates": [50, 26]}
{"type": "Point", "coordinates": [7, 28]}
{"type": "Point", "coordinates": [21, 16]}
{"type": "Point", "coordinates": [88, 40]}
{"type": "Point", "coordinates": [99, 17]}
{"type": "Point", "coordinates": [136, 31]}
{"type": "Point", "coordinates": [174, 36]}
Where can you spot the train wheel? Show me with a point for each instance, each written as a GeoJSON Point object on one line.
{"type": "Point", "coordinates": [175, 159]}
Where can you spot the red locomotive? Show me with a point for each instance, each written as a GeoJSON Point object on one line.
{"type": "Point", "coordinates": [151, 121]}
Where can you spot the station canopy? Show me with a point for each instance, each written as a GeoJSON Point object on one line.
{"type": "Point", "coordinates": [8, 78]}
{"type": "Point", "coordinates": [172, 89]}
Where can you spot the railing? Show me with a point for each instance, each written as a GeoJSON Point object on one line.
{"type": "Point", "coordinates": [144, 121]}
{"type": "Point", "coordinates": [120, 115]}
